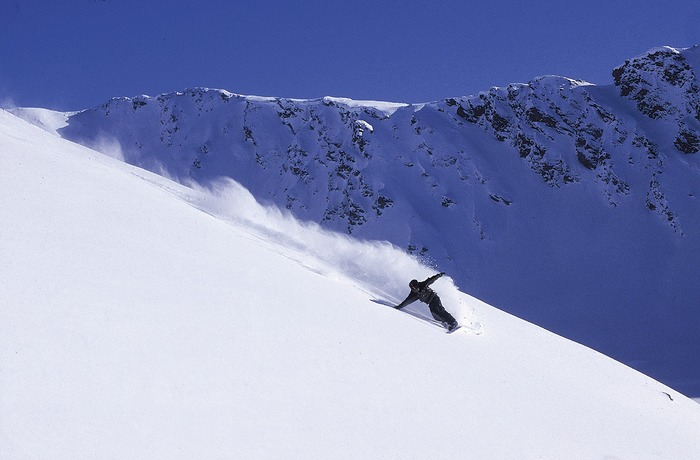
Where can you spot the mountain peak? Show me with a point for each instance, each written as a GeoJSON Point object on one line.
{"type": "Point", "coordinates": [663, 85]}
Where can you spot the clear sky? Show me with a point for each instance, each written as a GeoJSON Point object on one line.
{"type": "Point", "coordinates": [76, 54]}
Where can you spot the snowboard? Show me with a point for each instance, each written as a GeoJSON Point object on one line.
{"type": "Point", "coordinates": [416, 313]}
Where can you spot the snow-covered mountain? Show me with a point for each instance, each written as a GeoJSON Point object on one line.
{"type": "Point", "coordinates": [143, 319]}
{"type": "Point", "coordinates": [570, 204]}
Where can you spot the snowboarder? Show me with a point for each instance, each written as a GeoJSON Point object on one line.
{"type": "Point", "coordinates": [421, 291]}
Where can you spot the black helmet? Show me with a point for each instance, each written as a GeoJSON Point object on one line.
{"type": "Point", "coordinates": [413, 283]}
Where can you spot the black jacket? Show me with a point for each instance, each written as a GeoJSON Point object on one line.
{"type": "Point", "coordinates": [422, 293]}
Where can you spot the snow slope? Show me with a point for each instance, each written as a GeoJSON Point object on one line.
{"type": "Point", "coordinates": [568, 204]}
{"type": "Point", "coordinates": [144, 319]}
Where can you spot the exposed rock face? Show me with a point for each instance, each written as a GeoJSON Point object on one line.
{"type": "Point", "coordinates": [664, 85]}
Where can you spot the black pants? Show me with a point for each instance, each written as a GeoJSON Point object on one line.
{"type": "Point", "coordinates": [439, 312]}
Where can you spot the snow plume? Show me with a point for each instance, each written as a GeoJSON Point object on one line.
{"type": "Point", "coordinates": [7, 103]}
{"type": "Point", "coordinates": [109, 146]}
{"type": "Point", "coordinates": [378, 267]}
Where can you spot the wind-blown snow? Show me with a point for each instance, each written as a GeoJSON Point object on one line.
{"type": "Point", "coordinates": [144, 319]}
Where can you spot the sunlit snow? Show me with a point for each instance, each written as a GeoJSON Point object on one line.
{"type": "Point", "coordinates": [144, 319]}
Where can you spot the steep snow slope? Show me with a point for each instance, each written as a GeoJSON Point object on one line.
{"type": "Point", "coordinates": [135, 325]}
{"type": "Point", "coordinates": [568, 204]}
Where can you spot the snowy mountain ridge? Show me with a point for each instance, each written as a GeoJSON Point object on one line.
{"type": "Point", "coordinates": [540, 198]}
{"type": "Point", "coordinates": [533, 117]}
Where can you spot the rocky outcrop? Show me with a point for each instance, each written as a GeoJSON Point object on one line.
{"type": "Point", "coordinates": [327, 160]}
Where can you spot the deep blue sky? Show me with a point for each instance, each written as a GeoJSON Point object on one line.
{"type": "Point", "coordinates": [75, 54]}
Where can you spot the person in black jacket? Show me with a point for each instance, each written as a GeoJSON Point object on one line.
{"type": "Point", "coordinates": [421, 291]}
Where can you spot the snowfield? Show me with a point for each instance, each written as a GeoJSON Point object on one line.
{"type": "Point", "coordinates": [140, 318]}
{"type": "Point", "coordinates": [565, 203]}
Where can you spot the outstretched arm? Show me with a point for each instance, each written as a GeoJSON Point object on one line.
{"type": "Point", "coordinates": [412, 297]}
{"type": "Point", "coordinates": [433, 278]}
